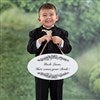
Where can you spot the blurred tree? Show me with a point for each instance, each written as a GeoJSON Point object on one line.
{"type": "Point", "coordinates": [28, 5]}
{"type": "Point", "coordinates": [94, 79]}
{"type": "Point", "coordinates": [81, 19]}
{"type": "Point", "coordinates": [5, 4]}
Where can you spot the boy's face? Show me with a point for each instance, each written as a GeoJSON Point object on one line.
{"type": "Point", "coordinates": [48, 17]}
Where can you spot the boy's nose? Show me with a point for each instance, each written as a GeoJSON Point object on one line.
{"type": "Point", "coordinates": [48, 16]}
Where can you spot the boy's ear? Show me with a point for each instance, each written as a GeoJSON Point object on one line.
{"type": "Point", "coordinates": [57, 18]}
{"type": "Point", "coordinates": [39, 19]}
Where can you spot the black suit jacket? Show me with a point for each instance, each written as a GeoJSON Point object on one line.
{"type": "Point", "coordinates": [51, 47]}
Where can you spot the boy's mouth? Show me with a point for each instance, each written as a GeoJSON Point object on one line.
{"type": "Point", "coordinates": [48, 21]}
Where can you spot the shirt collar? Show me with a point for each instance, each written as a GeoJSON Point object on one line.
{"type": "Point", "coordinates": [48, 28]}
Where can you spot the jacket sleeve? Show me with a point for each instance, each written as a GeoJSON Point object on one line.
{"type": "Point", "coordinates": [66, 47]}
{"type": "Point", "coordinates": [31, 47]}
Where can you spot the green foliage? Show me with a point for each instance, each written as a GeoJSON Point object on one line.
{"type": "Point", "coordinates": [88, 72]}
{"type": "Point", "coordinates": [75, 91]}
{"type": "Point", "coordinates": [94, 79]}
{"type": "Point", "coordinates": [81, 19]}
{"type": "Point", "coordinates": [28, 5]}
{"type": "Point", "coordinates": [4, 5]}
{"type": "Point", "coordinates": [16, 19]}
{"type": "Point", "coordinates": [15, 79]}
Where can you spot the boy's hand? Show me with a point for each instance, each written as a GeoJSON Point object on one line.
{"type": "Point", "coordinates": [57, 40]}
{"type": "Point", "coordinates": [44, 38]}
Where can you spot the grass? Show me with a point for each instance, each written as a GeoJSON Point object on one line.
{"type": "Point", "coordinates": [75, 91]}
{"type": "Point", "coordinates": [16, 82]}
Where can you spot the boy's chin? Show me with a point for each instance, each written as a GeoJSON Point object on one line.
{"type": "Point", "coordinates": [48, 26]}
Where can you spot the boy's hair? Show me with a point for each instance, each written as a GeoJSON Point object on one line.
{"type": "Point", "coordinates": [47, 6]}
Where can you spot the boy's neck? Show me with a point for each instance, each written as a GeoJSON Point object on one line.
{"type": "Point", "coordinates": [48, 27]}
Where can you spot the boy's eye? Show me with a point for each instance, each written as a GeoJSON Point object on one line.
{"type": "Point", "coordinates": [44, 15]}
{"type": "Point", "coordinates": [51, 14]}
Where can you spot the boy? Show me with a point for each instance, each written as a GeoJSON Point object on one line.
{"type": "Point", "coordinates": [38, 38]}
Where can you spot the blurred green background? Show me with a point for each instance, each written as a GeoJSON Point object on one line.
{"type": "Point", "coordinates": [81, 18]}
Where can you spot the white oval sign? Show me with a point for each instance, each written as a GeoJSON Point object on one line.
{"type": "Point", "coordinates": [52, 66]}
